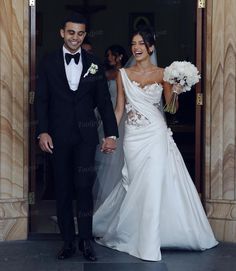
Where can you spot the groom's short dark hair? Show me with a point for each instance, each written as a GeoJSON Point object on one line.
{"type": "Point", "coordinates": [74, 18]}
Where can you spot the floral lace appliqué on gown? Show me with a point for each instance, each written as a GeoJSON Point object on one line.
{"type": "Point", "coordinates": [134, 117]}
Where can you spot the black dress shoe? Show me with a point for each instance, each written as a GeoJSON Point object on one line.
{"type": "Point", "coordinates": [87, 249]}
{"type": "Point", "coordinates": [66, 252]}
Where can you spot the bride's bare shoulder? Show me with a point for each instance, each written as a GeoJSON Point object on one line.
{"type": "Point", "coordinates": [159, 74]}
{"type": "Point", "coordinates": [130, 69]}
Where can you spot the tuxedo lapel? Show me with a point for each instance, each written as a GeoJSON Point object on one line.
{"type": "Point", "coordinates": [85, 62]}
{"type": "Point", "coordinates": [60, 65]}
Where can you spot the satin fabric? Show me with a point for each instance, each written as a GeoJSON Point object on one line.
{"type": "Point", "coordinates": [156, 203]}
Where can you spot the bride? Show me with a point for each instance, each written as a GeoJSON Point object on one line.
{"type": "Point", "coordinates": [155, 205]}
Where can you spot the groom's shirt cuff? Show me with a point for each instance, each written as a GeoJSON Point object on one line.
{"type": "Point", "coordinates": [112, 137]}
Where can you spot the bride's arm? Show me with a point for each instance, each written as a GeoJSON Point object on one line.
{"type": "Point", "coordinates": [168, 90]}
{"type": "Point", "coordinates": [120, 100]}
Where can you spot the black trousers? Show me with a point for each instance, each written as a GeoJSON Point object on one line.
{"type": "Point", "coordinates": [74, 173]}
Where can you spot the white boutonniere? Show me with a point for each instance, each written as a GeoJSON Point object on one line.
{"type": "Point", "coordinates": [92, 69]}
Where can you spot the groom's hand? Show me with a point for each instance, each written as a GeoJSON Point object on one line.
{"type": "Point", "coordinates": [108, 145]}
{"type": "Point", "coordinates": [45, 142]}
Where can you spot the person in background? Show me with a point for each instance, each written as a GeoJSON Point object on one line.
{"type": "Point", "coordinates": [87, 46]}
{"type": "Point", "coordinates": [108, 168]}
{"type": "Point", "coordinates": [116, 56]}
{"type": "Point", "coordinates": [110, 71]}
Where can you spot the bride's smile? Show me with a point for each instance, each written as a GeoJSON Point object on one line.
{"type": "Point", "coordinates": [140, 49]}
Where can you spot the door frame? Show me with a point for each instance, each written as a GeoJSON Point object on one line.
{"type": "Point", "coordinates": [200, 53]}
{"type": "Point", "coordinates": [32, 124]}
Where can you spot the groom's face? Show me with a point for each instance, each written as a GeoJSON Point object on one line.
{"type": "Point", "coordinates": [73, 35]}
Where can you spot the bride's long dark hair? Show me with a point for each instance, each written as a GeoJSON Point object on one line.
{"type": "Point", "coordinates": [147, 34]}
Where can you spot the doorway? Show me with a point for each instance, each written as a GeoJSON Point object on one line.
{"type": "Point", "coordinates": [175, 23]}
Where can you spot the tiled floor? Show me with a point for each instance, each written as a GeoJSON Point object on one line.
{"type": "Point", "coordinates": [39, 255]}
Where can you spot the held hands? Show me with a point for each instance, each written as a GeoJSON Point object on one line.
{"type": "Point", "coordinates": [108, 145]}
{"type": "Point", "coordinates": [45, 142]}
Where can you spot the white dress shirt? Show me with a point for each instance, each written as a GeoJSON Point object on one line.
{"type": "Point", "coordinates": [73, 71]}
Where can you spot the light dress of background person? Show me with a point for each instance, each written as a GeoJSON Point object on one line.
{"type": "Point", "coordinates": [115, 58]}
{"type": "Point", "coordinates": [155, 205]}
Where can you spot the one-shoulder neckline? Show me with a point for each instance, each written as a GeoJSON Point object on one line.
{"type": "Point", "coordinates": [139, 85]}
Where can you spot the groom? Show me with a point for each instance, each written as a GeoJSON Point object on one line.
{"type": "Point", "coordinates": [71, 84]}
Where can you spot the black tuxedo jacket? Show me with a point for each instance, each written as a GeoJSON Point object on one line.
{"type": "Point", "coordinates": [60, 110]}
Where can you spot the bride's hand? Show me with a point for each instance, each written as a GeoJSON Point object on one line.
{"type": "Point", "coordinates": [177, 88]}
{"type": "Point", "coordinates": [108, 145]}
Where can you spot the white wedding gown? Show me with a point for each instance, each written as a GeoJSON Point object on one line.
{"type": "Point", "coordinates": [155, 204]}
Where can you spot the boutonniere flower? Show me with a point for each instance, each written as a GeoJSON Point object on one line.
{"type": "Point", "coordinates": [92, 69]}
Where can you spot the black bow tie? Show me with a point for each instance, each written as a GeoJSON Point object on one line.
{"type": "Point", "coordinates": [70, 56]}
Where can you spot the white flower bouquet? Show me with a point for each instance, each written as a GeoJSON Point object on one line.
{"type": "Point", "coordinates": [182, 75]}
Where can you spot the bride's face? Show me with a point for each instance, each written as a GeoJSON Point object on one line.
{"type": "Point", "coordinates": [139, 49]}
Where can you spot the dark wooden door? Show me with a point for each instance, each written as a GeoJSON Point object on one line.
{"type": "Point", "coordinates": [41, 196]}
